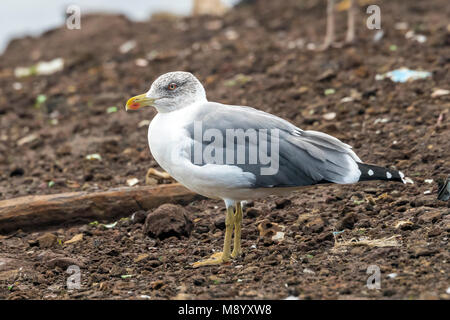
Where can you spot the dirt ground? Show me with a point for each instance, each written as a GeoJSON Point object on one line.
{"type": "Point", "coordinates": [255, 55]}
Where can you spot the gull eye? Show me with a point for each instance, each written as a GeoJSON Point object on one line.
{"type": "Point", "coordinates": [172, 86]}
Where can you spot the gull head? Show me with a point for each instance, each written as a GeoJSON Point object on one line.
{"type": "Point", "coordinates": [169, 92]}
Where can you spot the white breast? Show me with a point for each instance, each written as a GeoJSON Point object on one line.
{"type": "Point", "coordinates": [165, 133]}
{"type": "Point", "coordinates": [170, 145]}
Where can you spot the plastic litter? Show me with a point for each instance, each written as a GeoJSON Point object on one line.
{"type": "Point", "coordinates": [403, 75]}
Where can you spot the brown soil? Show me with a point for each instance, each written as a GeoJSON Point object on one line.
{"type": "Point", "coordinates": [389, 124]}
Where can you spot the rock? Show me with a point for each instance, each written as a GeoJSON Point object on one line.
{"type": "Point", "coordinates": [404, 225]}
{"type": "Point", "coordinates": [401, 202]}
{"type": "Point", "coordinates": [430, 217]}
{"type": "Point", "coordinates": [141, 257]}
{"type": "Point", "coordinates": [252, 212]}
{"type": "Point", "coordinates": [63, 262]}
{"type": "Point", "coordinates": [324, 236]}
{"type": "Point", "coordinates": [138, 217]}
{"type": "Point", "coordinates": [117, 271]}
{"type": "Point", "coordinates": [166, 221]}
{"type": "Point", "coordinates": [156, 285]}
{"type": "Point", "coordinates": [389, 292]}
{"type": "Point", "coordinates": [75, 238]}
{"type": "Point", "coordinates": [326, 75]}
{"type": "Point", "coordinates": [9, 275]}
{"type": "Point", "coordinates": [215, 279]}
{"type": "Point", "coordinates": [435, 232]}
{"type": "Point", "coordinates": [347, 222]}
{"type": "Point", "coordinates": [422, 252]}
{"type": "Point", "coordinates": [85, 230]}
{"type": "Point", "coordinates": [292, 281]}
{"type": "Point", "coordinates": [198, 280]}
{"type": "Point", "coordinates": [270, 231]}
{"type": "Point", "coordinates": [182, 296]}
{"type": "Point", "coordinates": [47, 240]}
{"type": "Point", "coordinates": [282, 203]}
{"type": "Point", "coordinates": [17, 172]}
{"type": "Point", "coordinates": [315, 225]}
{"type": "Point", "coordinates": [113, 253]}
{"type": "Point", "coordinates": [219, 222]}
{"type": "Point", "coordinates": [201, 228]}
{"type": "Point", "coordinates": [153, 263]}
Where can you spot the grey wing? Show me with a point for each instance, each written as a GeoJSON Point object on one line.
{"type": "Point", "coordinates": [296, 157]}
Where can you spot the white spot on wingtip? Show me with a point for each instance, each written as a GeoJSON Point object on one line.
{"type": "Point", "coordinates": [388, 175]}
{"type": "Point", "coordinates": [402, 176]}
{"type": "Point", "coordinates": [370, 172]}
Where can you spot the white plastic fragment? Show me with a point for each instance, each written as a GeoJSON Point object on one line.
{"type": "Point", "coordinates": [308, 271]}
{"type": "Point", "coordinates": [132, 182]}
{"type": "Point", "coordinates": [50, 67]}
{"type": "Point", "coordinates": [408, 180]}
{"type": "Point", "coordinates": [403, 75]}
{"type": "Point", "coordinates": [311, 46]}
{"type": "Point", "coordinates": [439, 92]}
{"type": "Point", "coordinates": [41, 68]}
{"type": "Point", "coordinates": [420, 38]}
{"type": "Point", "coordinates": [347, 99]}
{"type": "Point", "coordinates": [94, 156]}
{"type": "Point", "coordinates": [141, 62]}
{"type": "Point", "coordinates": [415, 37]}
{"type": "Point", "coordinates": [428, 180]}
{"type": "Point", "coordinates": [231, 35]}
{"type": "Point", "coordinates": [110, 226]}
{"type": "Point", "coordinates": [27, 139]}
{"type": "Point", "coordinates": [21, 72]}
{"type": "Point", "coordinates": [381, 120]}
{"type": "Point", "coordinates": [401, 25]}
{"type": "Point", "coordinates": [127, 46]}
{"type": "Point", "coordinates": [278, 236]}
{"type": "Point", "coordinates": [378, 36]}
{"type": "Point", "coordinates": [17, 86]}
{"type": "Point", "coordinates": [329, 116]}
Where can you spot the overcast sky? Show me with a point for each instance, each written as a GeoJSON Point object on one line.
{"type": "Point", "coordinates": [32, 17]}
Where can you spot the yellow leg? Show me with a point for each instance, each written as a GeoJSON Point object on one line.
{"type": "Point", "coordinates": [221, 257]}
{"type": "Point", "coordinates": [237, 231]}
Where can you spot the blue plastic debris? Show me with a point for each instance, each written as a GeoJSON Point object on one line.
{"type": "Point", "coordinates": [404, 75]}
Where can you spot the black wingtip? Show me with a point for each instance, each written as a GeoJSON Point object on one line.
{"type": "Point", "coordinates": [371, 172]}
{"type": "Point", "coordinates": [444, 190]}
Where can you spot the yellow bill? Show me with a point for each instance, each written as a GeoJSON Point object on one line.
{"type": "Point", "coordinates": [138, 102]}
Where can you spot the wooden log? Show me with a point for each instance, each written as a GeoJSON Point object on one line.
{"type": "Point", "coordinates": [41, 211]}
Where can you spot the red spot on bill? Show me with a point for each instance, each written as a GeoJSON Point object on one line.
{"type": "Point", "coordinates": [134, 106]}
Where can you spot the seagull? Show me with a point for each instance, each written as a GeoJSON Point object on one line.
{"type": "Point", "coordinates": [330, 33]}
{"type": "Point", "coordinates": [238, 153]}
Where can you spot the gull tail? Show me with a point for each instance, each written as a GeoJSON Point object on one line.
{"type": "Point", "coordinates": [372, 172]}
